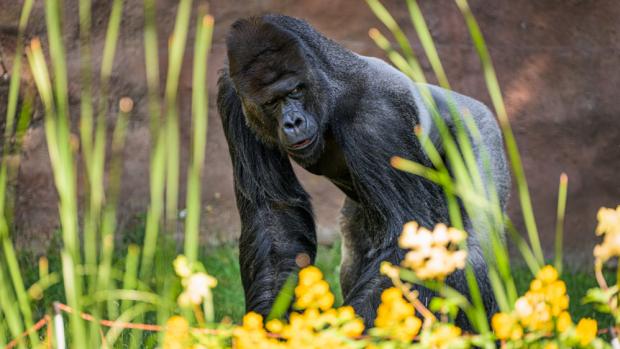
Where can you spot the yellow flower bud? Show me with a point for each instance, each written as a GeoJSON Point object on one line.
{"type": "Point", "coordinates": [177, 333]}
{"type": "Point", "coordinates": [274, 326]}
{"type": "Point", "coordinates": [182, 266]}
{"type": "Point", "coordinates": [506, 326]}
{"type": "Point", "coordinates": [310, 275]}
{"type": "Point", "coordinates": [547, 274]}
{"type": "Point", "coordinates": [586, 331]}
{"type": "Point", "coordinates": [563, 322]}
{"type": "Point", "coordinates": [353, 328]}
{"type": "Point", "coordinates": [252, 321]}
{"type": "Point", "coordinates": [551, 345]}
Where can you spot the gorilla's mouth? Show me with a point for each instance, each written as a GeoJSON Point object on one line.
{"type": "Point", "coordinates": [303, 144]}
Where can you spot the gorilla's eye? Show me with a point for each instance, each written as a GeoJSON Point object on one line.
{"type": "Point", "coordinates": [296, 92]}
{"type": "Point", "coordinates": [271, 103]}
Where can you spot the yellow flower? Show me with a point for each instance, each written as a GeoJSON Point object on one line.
{"type": "Point", "coordinates": [506, 326]}
{"type": "Point", "coordinates": [177, 333]}
{"type": "Point", "coordinates": [586, 331]}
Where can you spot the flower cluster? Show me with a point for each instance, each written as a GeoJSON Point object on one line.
{"type": "Point", "coordinates": [433, 254]}
{"type": "Point", "coordinates": [444, 335]}
{"type": "Point", "coordinates": [312, 291]}
{"type": "Point", "coordinates": [197, 284]}
{"type": "Point", "coordinates": [396, 317]}
{"type": "Point", "coordinates": [543, 311]}
{"type": "Point", "coordinates": [319, 325]}
{"type": "Point", "coordinates": [540, 318]}
{"type": "Point", "coordinates": [609, 226]}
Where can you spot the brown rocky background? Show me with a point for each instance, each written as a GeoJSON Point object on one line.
{"type": "Point", "coordinates": [558, 62]}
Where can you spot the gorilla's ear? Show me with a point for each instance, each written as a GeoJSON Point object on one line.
{"type": "Point", "coordinates": [253, 38]}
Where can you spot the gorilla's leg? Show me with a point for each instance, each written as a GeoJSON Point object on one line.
{"type": "Point", "coordinates": [363, 289]}
{"type": "Point", "coordinates": [360, 280]}
{"type": "Point", "coordinates": [365, 294]}
{"type": "Point", "coordinates": [362, 284]}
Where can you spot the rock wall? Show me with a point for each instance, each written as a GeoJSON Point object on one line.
{"type": "Point", "coordinates": [557, 62]}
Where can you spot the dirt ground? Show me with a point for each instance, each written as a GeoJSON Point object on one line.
{"type": "Point", "coordinates": [557, 61]}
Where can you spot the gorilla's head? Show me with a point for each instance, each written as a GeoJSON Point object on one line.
{"type": "Point", "coordinates": [272, 72]}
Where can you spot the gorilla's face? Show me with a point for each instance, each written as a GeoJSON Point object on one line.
{"type": "Point", "coordinates": [284, 106]}
{"type": "Point", "coordinates": [278, 90]}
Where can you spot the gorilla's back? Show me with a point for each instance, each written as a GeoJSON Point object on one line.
{"type": "Point", "coordinates": [491, 143]}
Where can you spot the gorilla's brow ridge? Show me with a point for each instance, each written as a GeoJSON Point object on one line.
{"type": "Point", "coordinates": [278, 76]}
{"type": "Point", "coordinates": [267, 50]}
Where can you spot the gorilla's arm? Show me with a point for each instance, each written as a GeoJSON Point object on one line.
{"type": "Point", "coordinates": [276, 217]}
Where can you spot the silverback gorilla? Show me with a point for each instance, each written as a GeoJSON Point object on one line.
{"type": "Point", "coordinates": [290, 93]}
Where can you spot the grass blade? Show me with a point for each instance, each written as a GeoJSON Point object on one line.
{"type": "Point", "coordinates": [199, 139]}
{"type": "Point", "coordinates": [559, 224]}
{"type": "Point", "coordinates": [177, 48]}
{"type": "Point", "coordinates": [511, 145]}
{"type": "Point", "coordinates": [151, 66]}
{"type": "Point", "coordinates": [7, 305]}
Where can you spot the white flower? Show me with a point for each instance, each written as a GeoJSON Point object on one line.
{"type": "Point", "coordinates": [416, 258]}
{"type": "Point", "coordinates": [440, 234]}
{"type": "Point", "coordinates": [608, 221]}
{"type": "Point", "coordinates": [408, 234]}
{"type": "Point", "coordinates": [459, 258]}
{"type": "Point", "coordinates": [523, 308]}
{"type": "Point", "coordinates": [197, 288]}
{"type": "Point", "coordinates": [456, 235]}
{"type": "Point", "coordinates": [433, 254]}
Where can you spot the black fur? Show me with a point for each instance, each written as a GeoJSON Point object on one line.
{"type": "Point", "coordinates": [365, 112]}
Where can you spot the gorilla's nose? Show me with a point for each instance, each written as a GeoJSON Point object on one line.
{"type": "Point", "coordinates": [294, 124]}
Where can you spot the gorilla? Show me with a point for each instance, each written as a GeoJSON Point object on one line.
{"type": "Point", "coordinates": [290, 93]}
